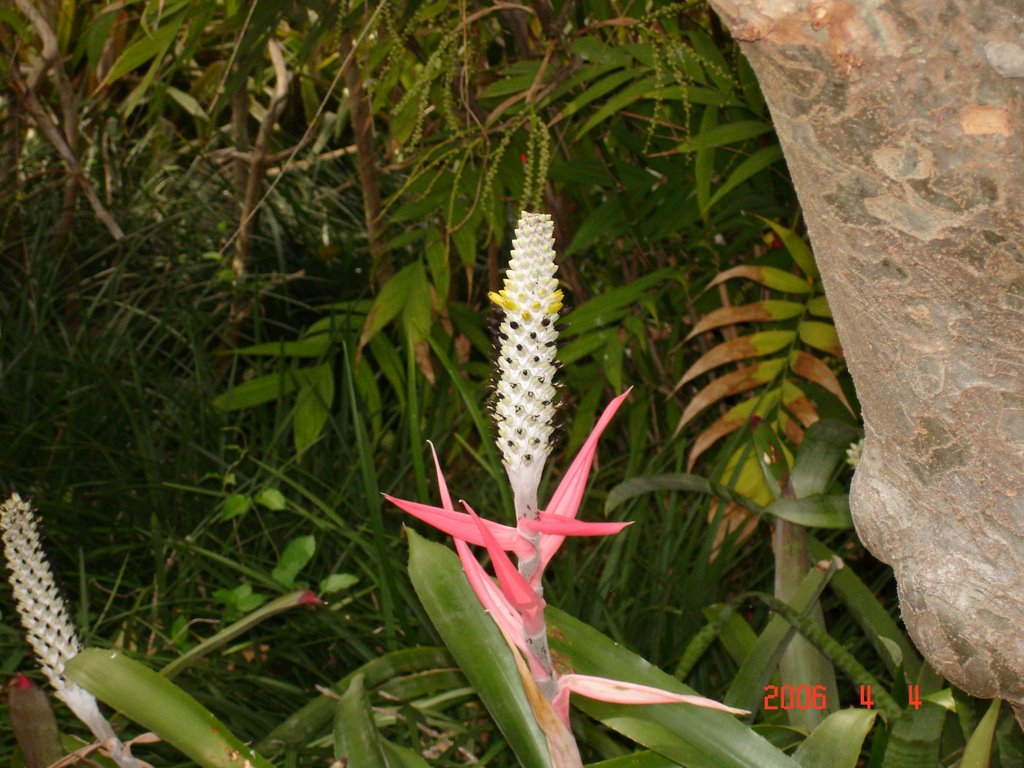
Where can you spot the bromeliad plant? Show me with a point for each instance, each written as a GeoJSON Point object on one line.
{"type": "Point", "coordinates": [524, 413]}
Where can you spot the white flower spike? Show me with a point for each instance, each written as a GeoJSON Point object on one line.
{"type": "Point", "coordinates": [525, 407]}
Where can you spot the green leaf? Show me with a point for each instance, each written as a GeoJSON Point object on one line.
{"type": "Point", "coordinates": [692, 736]}
{"type": "Point", "coordinates": [838, 741]}
{"type": "Point", "coordinates": [256, 391]}
{"type": "Point", "coordinates": [229, 633]}
{"type": "Point", "coordinates": [158, 705]}
{"type": "Point", "coordinates": [822, 452]}
{"type": "Point", "coordinates": [753, 165]}
{"type": "Point", "coordinates": [294, 558]}
{"type": "Point", "coordinates": [337, 582]}
{"type": "Point", "coordinates": [391, 300]}
{"type": "Point", "coordinates": [356, 740]}
{"type": "Point", "coordinates": [916, 738]}
{"type": "Point", "coordinates": [597, 90]}
{"type": "Point", "coordinates": [978, 752]}
{"type": "Point", "coordinates": [864, 607]}
{"type": "Point", "coordinates": [730, 133]}
{"type": "Point", "coordinates": [416, 312]}
{"type": "Point", "coordinates": [314, 718]}
{"type": "Point", "coordinates": [144, 49]}
{"type": "Point", "coordinates": [235, 505]}
{"type": "Point", "coordinates": [645, 759]}
{"type": "Point", "coordinates": [747, 688]}
{"type": "Point", "coordinates": [315, 346]}
{"type": "Point", "coordinates": [815, 511]}
{"type": "Point", "coordinates": [312, 405]}
{"type": "Point", "coordinates": [796, 246]}
{"type": "Point", "coordinates": [477, 645]}
{"type": "Point", "coordinates": [271, 498]}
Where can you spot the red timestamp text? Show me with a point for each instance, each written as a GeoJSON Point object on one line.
{"type": "Point", "coordinates": [795, 697]}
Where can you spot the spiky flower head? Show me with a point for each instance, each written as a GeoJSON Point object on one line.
{"type": "Point", "coordinates": [525, 392]}
{"type": "Point", "coordinates": [45, 618]}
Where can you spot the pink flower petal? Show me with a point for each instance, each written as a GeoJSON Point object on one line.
{"type": "Point", "coordinates": [493, 600]}
{"type": "Point", "coordinates": [567, 497]}
{"type": "Point", "coordinates": [442, 486]}
{"type": "Point", "coordinates": [461, 526]}
{"type": "Point", "coordinates": [621, 692]}
{"type": "Point", "coordinates": [518, 591]}
{"type": "Point", "coordinates": [551, 523]}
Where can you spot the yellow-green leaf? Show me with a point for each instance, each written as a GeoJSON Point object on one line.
{"type": "Point", "coordinates": [821, 336]}
{"type": "Point", "coordinates": [772, 277]}
{"type": "Point", "coordinates": [818, 306]}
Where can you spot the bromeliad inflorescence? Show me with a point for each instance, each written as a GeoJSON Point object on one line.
{"type": "Point", "coordinates": [45, 618]}
{"type": "Point", "coordinates": [524, 412]}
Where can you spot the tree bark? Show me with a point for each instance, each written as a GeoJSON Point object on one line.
{"type": "Point", "coordinates": [901, 123]}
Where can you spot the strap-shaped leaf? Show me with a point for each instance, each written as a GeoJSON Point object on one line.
{"type": "Point", "coordinates": [798, 404]}
{"type": "Point", "coordinates": [157, 704]}
{"type": "Point", "coordinates": [755, 345]}
{"type": "Point", "coordinates": [691, 736]}
{"type": "Point", "coordinates": [761, 311]}
{"type": "Point", "coordinates": [837, 742]}
{"type": "Point", "coordinates": [818, 306]}
{"type": "Point", "coordinates": [356, 739]}
{"type": "Point", "coordinates": [477, 645]}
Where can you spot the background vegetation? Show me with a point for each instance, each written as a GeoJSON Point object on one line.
{"type": "Point", "coordinates": [246, 250]}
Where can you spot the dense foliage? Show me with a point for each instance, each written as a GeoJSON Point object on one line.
{"type": "Point", "coordinates": [247, 248]}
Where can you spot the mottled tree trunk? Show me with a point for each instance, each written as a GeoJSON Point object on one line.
{"type": "Point", "coordinates": [902, 125]}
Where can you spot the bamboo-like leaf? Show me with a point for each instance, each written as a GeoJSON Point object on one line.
{"type": "Point", "coordinates": [734, 383]}
{"type": "Point", "coordinates": [256, 391]}
{"type": "Point", "coordinates": [812, 369]}
{"type": "Point", "coordinates": [761, 311]}
{"type": "Point", "coordinates": [150, 46]}
{"type": "Point", "coordinates": [796, 246]}
{"type": "Point", "coordinates": [312, 405]}
{"type": "Point", "coordinates": [771, 277]}
{"type": "Point", "coordinates": [755, 345]}
{"type": "Point", "coordinates": [390, 301]}
{"type": "Point", "coordinates": [158, 705]}
{"type": "Point", "coordinates": [838, 741]}
{"type": "Point", "coordinates": [821, 336]}
{"type": "Point", "coordinates": [730, 133]}
{"type": "Point", "coordinates": [757, 162]}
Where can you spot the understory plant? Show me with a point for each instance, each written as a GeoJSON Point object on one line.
{"type": "Point", "coordinates": [524, 412]}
